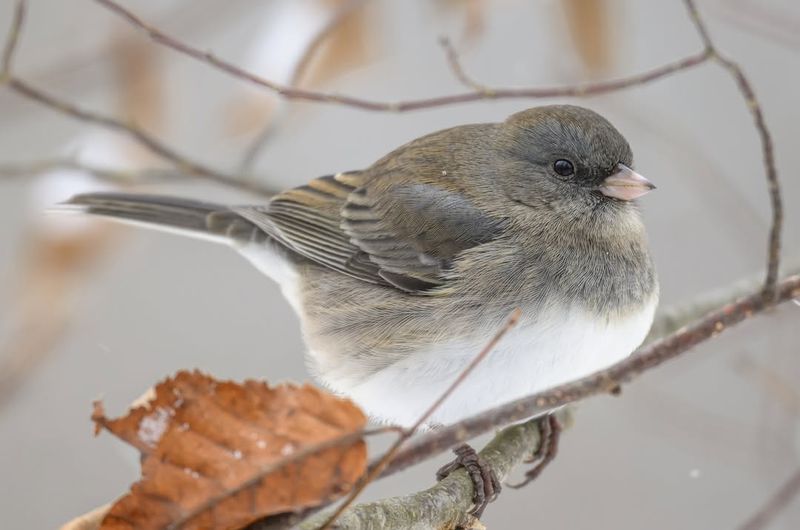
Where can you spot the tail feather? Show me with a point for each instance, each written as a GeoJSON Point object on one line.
{"type": "Point", "coordinates": [172, 214]}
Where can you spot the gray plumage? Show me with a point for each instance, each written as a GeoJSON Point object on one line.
{"type": "Point", "coordinates": [438, 241]}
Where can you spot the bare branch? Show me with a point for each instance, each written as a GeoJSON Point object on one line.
{"type": "Point", "coordinates": [407, 105]}
{"type": "Point", "coordinates": [340, 16]}
{"type": "Point", "coordinates": [445, 504]}
{"type": "Point", "coordinates": [268, 469]}
{"type": "Point", "coordinates": [668, 320]}
{"type": "Point", "coordinates": [108, 174]}
{"type": "Point", "coordinates": [181, 162]}
{"type": "Point", "coordinates": [458, 70]}
{"type": "Point", "coordinates": [184, 164]}
{"type": "Point", "coordinates": [12, 41]}
{"type": "Point", "coordinates": [788, 492]}
{"type": "Point", "coordinates": [298, 72]}
{"type": "Point", "coordinates": [376, 468]}
{"type": "Point", "coordinates": [767, 149]}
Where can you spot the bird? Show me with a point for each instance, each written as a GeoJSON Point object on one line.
{"type": "Point", "coordinates": [402, 271]}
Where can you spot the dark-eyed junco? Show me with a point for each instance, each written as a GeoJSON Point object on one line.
{"type": "Point", "coordinates": [400, 273]}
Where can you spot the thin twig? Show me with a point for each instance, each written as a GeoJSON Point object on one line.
{"type": "Point", "coordinates": [96, 515]}
{"type": "Point", "coordinates": [788, 492]}
{"type": "Point", "coordinates": [268, 469]}
{"type": "Point", "coordinates": [413, 104]}
{"type": "Point", "coordinates": [298, 72]}
{"type": "Point", "coordinates": [378, 467]}
{"type": "Point", "coordinates": [767, 149]}
{"type": "Point", "coordinates": [12, 41]}
{"type": "Point", "coordinates": [181, 162]}
{"type": "Point", "coordinates": [108, 174]}
{"type": "Point", "coordinates": [445, 504]}
{"type": "Point", "coordinates": [458, 70]}
{"type": "Point", "coordinates": [340, 16]}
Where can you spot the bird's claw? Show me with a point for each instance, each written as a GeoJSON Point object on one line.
{"type": "Point", "coordinates": [485, 483]}
{"type": "Point", "coordinates": [549, 434]}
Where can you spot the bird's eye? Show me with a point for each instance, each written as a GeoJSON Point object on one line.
{"type": "Point", "coordinates": [563, 167]}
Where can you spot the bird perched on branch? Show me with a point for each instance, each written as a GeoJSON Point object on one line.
{"type": "Point", "coordinates": [401, 272]}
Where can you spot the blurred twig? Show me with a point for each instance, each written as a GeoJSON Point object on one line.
{"type": "Point", "coordinates": [765, 19]}
{"type": "Point", "coordinates": [108, 174]}
{"type": "Point", "coordinates": [340, 15]}
{"type": "Point", "coordinates": [184, 164]}
{"type": "Point", "coordinates": [775, 504]}
{"type": "Point", "coordinates": [458, 71]}
{"type": "Point", "coordinates": [298, 73]}
{"type": "Point", "coordinates": [12, 41]}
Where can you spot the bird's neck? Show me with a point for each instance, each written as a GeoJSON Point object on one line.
{"type": "Point", "coordinates": [602, 264]}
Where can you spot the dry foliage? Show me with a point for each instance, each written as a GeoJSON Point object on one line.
{"type": "Point", "coordinates": [223, 454]}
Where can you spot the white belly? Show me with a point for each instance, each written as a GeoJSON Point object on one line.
{"type": "Point", "coordinates": [555, 348]}
{"type": "Point", "coordinates": [532, 357]}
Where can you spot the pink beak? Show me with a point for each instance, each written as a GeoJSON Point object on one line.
{"type": "Point", "coordinates": [625, 184]}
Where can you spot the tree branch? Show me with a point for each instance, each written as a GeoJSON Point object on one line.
{"type": "Point", "coordinates": [767, 148]}
{"type": "Point", "coordinates": [787, 492]}
{"type": "Point", "coordinates": [118, 176]}
{"type": "Point", "coordinates": [445, 504]}
{"type": "Point", "coordinates": [290, 92]}
{"type": "Point", "coordinates": [181, 162]}
{"type": "Point", "coordinates": [11, 42]}
{"type": "Point", "coordinates": [458, 70]}
{"type": "Point", "coordinates": [299, 71]}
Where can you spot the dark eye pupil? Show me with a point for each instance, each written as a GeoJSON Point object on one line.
{"type": "Point", "coordinates": [564, 168]}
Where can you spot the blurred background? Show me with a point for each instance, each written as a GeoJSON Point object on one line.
{"type": "Point", "coordinates": [92, 310]}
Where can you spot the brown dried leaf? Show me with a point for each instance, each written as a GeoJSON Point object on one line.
{"type": "Point", "coordinates": [222, 454]}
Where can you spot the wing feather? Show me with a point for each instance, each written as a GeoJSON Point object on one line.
{"type": "Point", "coordinates": [359, 224]}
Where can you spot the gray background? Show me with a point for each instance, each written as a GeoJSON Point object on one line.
{"type": "Point", "coordinates": [698, 444]}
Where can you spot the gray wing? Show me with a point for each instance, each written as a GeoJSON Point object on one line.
{"type": "Point", "coordinates": [378, 229]}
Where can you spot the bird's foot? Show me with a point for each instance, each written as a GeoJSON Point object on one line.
{"type": "Point", "coordinates": [549, 435]}
{"type": "Point", "coordinates": [484, 481]}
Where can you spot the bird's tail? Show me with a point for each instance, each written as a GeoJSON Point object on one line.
{"type": "Point", "coordinates": [189, 217]}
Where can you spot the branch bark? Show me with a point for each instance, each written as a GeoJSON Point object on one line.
{"type": "Point", "coordinates": [444, 505]}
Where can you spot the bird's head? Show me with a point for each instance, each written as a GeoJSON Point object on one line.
{"type": "Point", "coordinates": [567, 157]}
